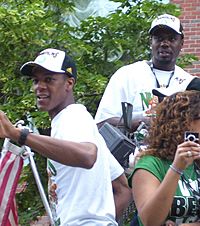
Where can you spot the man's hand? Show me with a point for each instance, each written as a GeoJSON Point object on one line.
{"type": "Point", "coordinates": [7, 129]}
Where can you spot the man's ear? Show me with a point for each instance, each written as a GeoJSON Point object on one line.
{"type": "Point", "coordinates": [70, 81]}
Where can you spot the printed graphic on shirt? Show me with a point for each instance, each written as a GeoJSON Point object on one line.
{"type": "Point", "coordinates": [149, 103]}
{"type": "Point", "coordinates": [185, 208]}
{"type": "Point", "coordinates": [179, 80]}
{"type": "Point", "coordinates": [52, 186]}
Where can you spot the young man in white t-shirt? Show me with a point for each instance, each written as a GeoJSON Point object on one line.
{"type": "Point", "coordinates": [87, 186]}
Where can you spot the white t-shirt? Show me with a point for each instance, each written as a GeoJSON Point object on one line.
{"type": "Point", "coordinates": [133, 84]}
{"type": "Point", "coordinates": [81, 196]}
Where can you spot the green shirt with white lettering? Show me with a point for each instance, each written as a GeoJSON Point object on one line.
{"type": "Point", "coordinates": [185, 205]}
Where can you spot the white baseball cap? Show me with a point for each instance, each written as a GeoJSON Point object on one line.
{"type": "Point", "coordinates": [166, 20]}
{"type": "Point", "coordinates": [53, 60]}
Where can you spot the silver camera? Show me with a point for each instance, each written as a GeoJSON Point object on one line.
{"type": "Point", "coordinates": [191, 136]}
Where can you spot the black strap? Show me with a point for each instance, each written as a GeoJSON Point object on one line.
{"type": "Point", "coordinates": [127, 110]}
{"type": "Point", "coordinates": [157, 82]}
{"type": "Point", "coordinates": [150, 63]}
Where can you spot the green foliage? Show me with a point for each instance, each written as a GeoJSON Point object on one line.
{"type": "Point", "coordinates": [186, 60]}
{"type": "Point", "coordinates": [27, 27]}
{"type": "Point", "coordinates": [99, 46]}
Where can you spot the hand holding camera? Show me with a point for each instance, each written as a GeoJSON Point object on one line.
{"type": "Point", "coordinates": [188, 151]}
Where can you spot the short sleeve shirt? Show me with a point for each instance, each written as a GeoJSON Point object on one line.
{"type": "Point", "coordinates": [184, 206]}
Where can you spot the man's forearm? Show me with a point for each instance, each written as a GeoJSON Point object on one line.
{"type": "Point", "coordinates": [121, 204]}
{"type": "Point", "coordinates": [122, 195]}
{"type": "Point", "coordinates": [119, 122]}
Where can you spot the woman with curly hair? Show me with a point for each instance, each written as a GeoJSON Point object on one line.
{"type": "Point", "coordinates": [166, 179]}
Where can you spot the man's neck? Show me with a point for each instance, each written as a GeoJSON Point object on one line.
{"type": "Point", "coordinates": [68, 101]}
{"type": "Point", "coordinates": [164, 66]}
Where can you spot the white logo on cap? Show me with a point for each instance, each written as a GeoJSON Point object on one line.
{"type": "Point", "coordinates": [43, 56]}
{"type": "Point", "coordinates": [167, 20]}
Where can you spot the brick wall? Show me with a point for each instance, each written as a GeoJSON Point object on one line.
{"type": "Point", "coordinates": [190, 18]}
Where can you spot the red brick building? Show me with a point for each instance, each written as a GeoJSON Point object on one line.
{"type": "Point", "coordinates": [190, 18]}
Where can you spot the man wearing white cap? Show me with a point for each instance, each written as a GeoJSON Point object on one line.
{"type": "Point", "coordinates": [134, 83]}
{"type": "Point", "coordinates": [82, 172]}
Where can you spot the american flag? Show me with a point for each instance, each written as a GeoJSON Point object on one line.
{"type": "Point", "coordinates": [11, 164]}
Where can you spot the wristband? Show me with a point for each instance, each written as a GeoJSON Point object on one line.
{"type": "Point", "coordinates": [23, 135]}
{"type": "Point", "coordinates": [180, 172]}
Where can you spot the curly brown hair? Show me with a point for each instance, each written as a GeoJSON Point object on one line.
{"type": "Point", "coordinates": [173, 117]}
